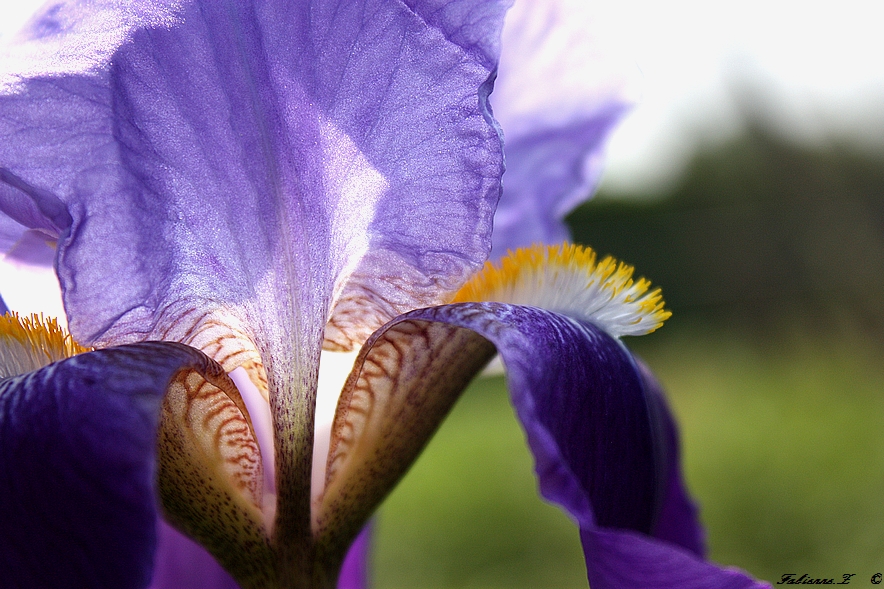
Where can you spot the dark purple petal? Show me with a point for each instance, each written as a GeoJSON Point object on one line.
{"type": "Point", "coordinates": [625, 560]}
{"type": "Point", "coordinates": [581, 401]}
{"type": "Point", "coordinates": [3, 308]}
{"type": "Point", "coordinates": [604, 444]}
{"type": "Point", "coordinates": [77, 467]}
{"type": "Point", "coordinates": [563, 85]}
{"type": "Point", "coordinates": [181, 563]}
{"type": "Point", "coordinates": [678, 520]}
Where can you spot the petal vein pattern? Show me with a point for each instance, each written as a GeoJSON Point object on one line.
{"type": "Point", "coordinates": [404, 382]}
{"type": "Point", "coordinates": [317, 122]}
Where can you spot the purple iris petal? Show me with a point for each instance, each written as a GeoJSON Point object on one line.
{"type": "Point", "coordinates": [581, 401]}
{"type": "Point", "coordinates": [77, 467]}
{"type": "Point", "coordinates": [339, 130]}
{"type": "Point", "coordinates": [603, 442]}
{"type": "Point", "coordinates": [548, 174]}
{"type": "Point", "coordinates": [617, 559]}
{"type": "Point", "coordinates": [32, 207]}
{"type": "Point", "coordinates": [678, 521]}
{"type": "Point", "coordinates": [562, 88]}
{"type": "Point", "coordinates": [31, 247]}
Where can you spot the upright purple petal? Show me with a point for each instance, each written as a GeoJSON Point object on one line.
{"type": "Point", "coordinates": [77, 467]}
{"type": "Point", "coordinates": [31, 247]}
{"type": "Point", "coordinates": [475, 26]}
{"type": "Point", "coordinates": [341, 131]}
{"type": "Point", "coordinates": [562, 87]}
{"type": "Point", "coordinates": [250, 171]}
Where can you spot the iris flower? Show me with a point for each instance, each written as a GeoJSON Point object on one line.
{"type": "Point", "coordinates": [233, 186]}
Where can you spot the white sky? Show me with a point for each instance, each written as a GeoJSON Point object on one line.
{"type": "Point", "coordinates": [817, 63]}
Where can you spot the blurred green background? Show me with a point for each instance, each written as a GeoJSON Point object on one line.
{"type": "Point", "coordinates": [770, 254]}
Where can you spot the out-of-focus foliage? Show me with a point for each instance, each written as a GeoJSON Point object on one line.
{"type": "Point", "coordinates": [758, 229]}
{"type": "Point", "coordinates": [783, 446]}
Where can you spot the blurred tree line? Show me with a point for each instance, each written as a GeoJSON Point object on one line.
{"type": "Point", "coordinates": [759, 229]}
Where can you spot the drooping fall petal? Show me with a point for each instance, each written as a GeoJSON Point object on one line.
{"type": "Point", "coordinates": [210, 475]}
{"type": "Point", "coordinates": [618, 559]}
{"type": "Point", "coordinates": [580, 400]}
{"type": "Point", "coordinates": [412, 363]}
{"type": "Point", "coordinates": [603, 443]}
{"type": "Point", "coordinates": [78, 466]}
{"type": "Point", "coordinates": [678, 520]}
{"type": "Point", "coordinates": [356, 571]}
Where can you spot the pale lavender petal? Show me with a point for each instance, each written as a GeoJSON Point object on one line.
{"type": "Point", "coordinates": [32, 207]}
{"type": "Point", "coordinates": [33, 248]}
{"type": "Point", "coordinates": [548, 174]}
{"type": "Point", "coordinates": [251, 170]}
{"type": "Point", "coordinates": [77, 467]}
{"type": "Point", "coordinates": [181, 563]}
{"type": "Point", "coordinates": [563, 85]}
{"type": "Point", "coordinates": [10, 233]}
{"type": "Point", "coordinates": [353, 138]}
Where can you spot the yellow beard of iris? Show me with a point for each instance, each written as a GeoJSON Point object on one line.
{"type": "Point", "coordinates": [568, 279]}
{"type": "Point", "coordinates": [30, 343]}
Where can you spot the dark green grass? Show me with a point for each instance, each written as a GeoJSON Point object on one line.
{"type": "Point", "coordinates": [783, 447]}
{"type": "Point", "coordinates": [468, 513]}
